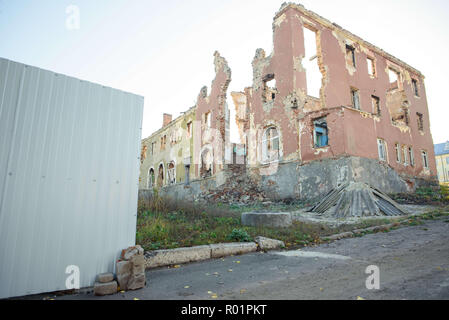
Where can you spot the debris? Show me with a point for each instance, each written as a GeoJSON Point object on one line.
{"type": "Point", "coordinates": [357, 199]}
{"type": "Point", "coordinates": [131, 269]}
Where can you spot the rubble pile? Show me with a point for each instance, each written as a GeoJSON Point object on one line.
{"type": "Point", "coordinates": [237, 190]}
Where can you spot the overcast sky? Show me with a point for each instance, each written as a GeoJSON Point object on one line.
{"type": "Point", "coordinates": [163, 50]}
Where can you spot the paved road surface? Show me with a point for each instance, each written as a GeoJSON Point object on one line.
{"type": "Point", "coordinates": [413, 263]}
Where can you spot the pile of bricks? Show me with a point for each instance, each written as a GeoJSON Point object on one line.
{"type": "Point", "coordinates": [239, 189]}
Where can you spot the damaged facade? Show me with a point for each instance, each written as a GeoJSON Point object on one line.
{"type": "Point", "coordinates": [325, 107]}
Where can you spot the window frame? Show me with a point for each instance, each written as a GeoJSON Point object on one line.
{"type": "Point", "coordinates": [381, 144]}
{"type": "Point", "coordinates": [357, 92]}
{"type": "Point", "coordinates": [314, 121]}
{"type": "Point", "coordinates": [425, 159]}
{"type": "Point", "coordinates": [266, 158]}
{"type": "Point", "coordinates": [415, 87]}
{"type": "Point", "coordinates": [351, 50]}
{"type": "Point", "coordinates": [371, 71]}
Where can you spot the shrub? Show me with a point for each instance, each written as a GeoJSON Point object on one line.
{"type": "Point", "coordinates": [239, 235]}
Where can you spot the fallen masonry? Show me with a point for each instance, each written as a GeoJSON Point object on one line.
{"type": "Point", "coordinates": [105, 284]}
{"type": "Point", "coordinates": [130, 269]}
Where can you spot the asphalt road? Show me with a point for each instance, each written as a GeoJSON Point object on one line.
{"type": "Point", "coordinates": [413, 264]}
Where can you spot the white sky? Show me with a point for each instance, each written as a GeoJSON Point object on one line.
{"type": "Point", "coordinates": [163, 50]}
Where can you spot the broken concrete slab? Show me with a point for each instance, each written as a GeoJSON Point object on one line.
{"type": "Point", "coordinates": [159, 258]}
{"type": "Point", "coordinates": [102, 289]}
{"type": "Point", "coordinates": [269, 244]}
{"type": "Point", "coordinates": [266, 219]}
{"type": "Point", "coordinates": [227, 249]}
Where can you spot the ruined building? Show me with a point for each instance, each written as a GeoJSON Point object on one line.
{"type": "Point", "coordinates": [325, 107]}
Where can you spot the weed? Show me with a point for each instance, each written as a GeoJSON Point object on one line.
{"type": "Point", "coordinates": [239, 235]}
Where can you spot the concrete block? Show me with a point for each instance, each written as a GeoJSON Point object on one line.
{"type": "Point", "coordinates": [136, 281]}
{"type": "Point", "coordinates": [123, 271]}
{"type": "Point", "coordinates": [227, 249]}
{"type": "Point", "coordinates": [159, 258]}
{"type": "Point", "coordinates": [105, 277]}
{"type": "Point", "coordinates": [138, 264]}
{"type": "Point", "coordinates": [266, 219]}
{"type": "Point", "coordinates": [102, 289]}
{"type": "Point", "coordinates": [269, 244]}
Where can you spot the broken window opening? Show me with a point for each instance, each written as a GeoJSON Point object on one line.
{"type": "Point", "coordinates": [270, 145]}
{"type": "Point", "coordinates": [320, 133]}
{"type": "Point", "coordinates": [398, 152]}
{"type": "Point", "coordinates": [350, 55]}
{"type": "Point", "coordinates": [394, 77]}
{"type": "Point", "coordinates": [207, 119]}
{"type": "Point", "coordinates": [310, 63]}
{"type": "Point", "coordinates": [189, 129]}
{"type": "Point", "coordinates": [163, 142]}
{"type": "Point", "coordinates": [151, 178]}
{"type": "Point", "coordinates": [160, 176]}
{"type": "Point", "coordinates": [411, 156]}
{"type": "Point", "coordinates": [206, 164]}
{"type": "Point", "coordinates": [371, 66]}
{"type": "Point", "coordinates": [355, 98]}
{"type": "Point", "coordinates": [415, 87]}
{"type": "Point", "coordinates": [269, 88]}
{"type": "Point", "coordinates": [420, 120]}
{"type": "Point", "coordinates": [171, 174]}
{"type": "Point", "coordinates": [405, 153]}
{"type": "Point", "coordinates": [425, 159]}
{"type": "Point", "coordinates": [381, 149]}
{"type": "Point", "coordinates": [376, 105]}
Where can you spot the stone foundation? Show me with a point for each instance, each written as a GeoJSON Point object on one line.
{"type": "Point", "coordinates": [292, 180]}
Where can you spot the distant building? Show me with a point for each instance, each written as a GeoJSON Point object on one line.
{"type": "Point", "coordinates": [442, 160]}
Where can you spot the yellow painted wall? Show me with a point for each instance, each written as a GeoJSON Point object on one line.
{"type": "Point", "coordinates": [181, 148]}
{"type": "Point", "coordinates": [443, 168]}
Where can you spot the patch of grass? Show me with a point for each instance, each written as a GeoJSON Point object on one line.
{"type": "Point", "coordinates": [436, 195]}
{"type": "Point", "coordinates": [166, 224]}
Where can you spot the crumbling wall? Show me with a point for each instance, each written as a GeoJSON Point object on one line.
{"type": "Point", "coordinates": [353, 129]}
{"type": "Point", "coordinates": [211, 135]}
